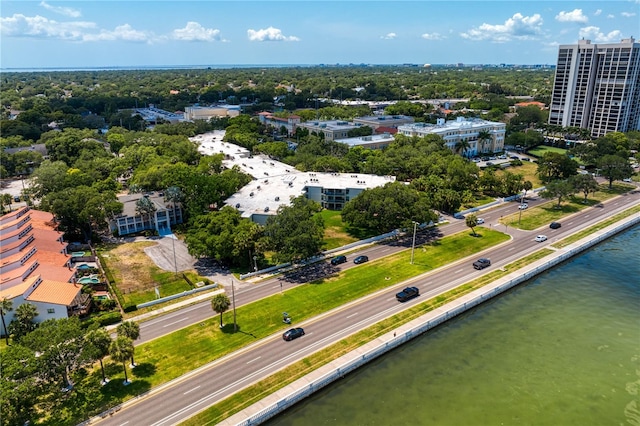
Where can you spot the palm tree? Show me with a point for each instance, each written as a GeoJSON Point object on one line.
{"type": "Point", "coordinates": [130, 330]}
{"type": "Point", "coordinates": [220, 303]}
{"type": "Point", "coordinates": [472, 221]}
{"type": "Point", "coordinates": [483, 137]}
{"type": "Point", "coordinates": [462, 146]}
{"type": "Point", "coordinates": [98, 342]}
{"type": "Point", "coordinates": [121, 350]}
{"type": "Point", "coordinates": [6, 305]}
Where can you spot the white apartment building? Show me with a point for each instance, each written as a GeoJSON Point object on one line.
{"type": "Point", "coordinates": [597, 87]}
{"type": "Point", "coordinates": [462, 129]}
{"type": "Point", "coordinates": [331, 129]}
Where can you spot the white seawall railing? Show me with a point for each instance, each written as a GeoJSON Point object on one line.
{"type": "Point", "coordinates": [436, 317]}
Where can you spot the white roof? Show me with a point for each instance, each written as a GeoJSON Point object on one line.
{"type": "Point", "coordinates": [275, 182]}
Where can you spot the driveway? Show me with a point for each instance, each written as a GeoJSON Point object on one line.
{"type": "Point", "coordinates": [171, 254]}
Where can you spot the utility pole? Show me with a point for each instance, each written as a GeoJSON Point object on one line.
{"type": "Point", "coordinates": [233, 299]}
{"type": "Point", "coordinates": [413, 246]}
{"type": "Point", "coordinates": [173, 243]}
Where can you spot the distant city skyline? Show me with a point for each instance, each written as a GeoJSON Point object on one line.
{"type": "Point", "coordinates": [113, 33]}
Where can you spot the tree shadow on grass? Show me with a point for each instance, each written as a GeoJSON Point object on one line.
{"type": "Point", "coordinates": [230, 329]}
{"type": "Point", "coordinates": [145, 369]}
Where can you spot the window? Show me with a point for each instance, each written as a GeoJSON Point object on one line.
{"type": "Point", "coordinates": [51, 311]}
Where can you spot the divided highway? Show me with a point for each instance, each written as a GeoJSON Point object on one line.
{"type": "Point", "coordinates": [199, 389]}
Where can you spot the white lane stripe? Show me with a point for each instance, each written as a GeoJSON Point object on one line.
{"type": "Point", "coordinates": [255, 359]}
{"type": "Point", "coordinates": [352, 315]}
{"type": "Point", "coordinates": [175, 322]}
{"type": "Point", "coordinates": [191, 390]}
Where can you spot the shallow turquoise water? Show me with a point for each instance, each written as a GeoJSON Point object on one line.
{"type": "Point", "coordinates": [563, 349]}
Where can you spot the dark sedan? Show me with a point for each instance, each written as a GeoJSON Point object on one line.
{"type": "Point", "coordinates": [360, 259]}
{"type": "Point", "coordinates": [293, 333]}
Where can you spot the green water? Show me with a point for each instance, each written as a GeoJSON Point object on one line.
{"type": "Point", "coordinates": [563, 349]}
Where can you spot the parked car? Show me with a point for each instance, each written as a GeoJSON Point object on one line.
{"type": "Point", "coordinates": [627, 180]}
{"type": "Point", "coordinates": [360, 259]}
{"type": "Point", "coordinates": [407, 293]}
{"type": "Point", "coordinates": [458, 216]}
{"type": "Point", "coordinates": [523, 206]}
{"type": "Point", "coordinates": [293, 333]}
{"type": "Point", "coordinates": [540, 238]}
{"type": "Point", "coordinates": [338, 260]}
{"type": "Point", "coordinates": [481, 263]}
{"type": "Point", "coordinates": [515, 157]}
{"type": "Point", "coordinates": [555, 225]}
{"type": "Point", "coordinates": [480, 221]}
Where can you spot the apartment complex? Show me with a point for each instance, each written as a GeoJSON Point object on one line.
{"type": "Point", "coordinates": [462, 130]}
{"type": "Point", "coordinates": [331, 129]}
{"type": "Point", "coordinates": [130, 221]}
{"type": "Point", "coordinates": [597, 87]}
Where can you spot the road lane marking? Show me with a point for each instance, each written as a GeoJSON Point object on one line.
{"type": "Point", "coordinates": [511, 248]}
{"type": "Point", "coordinates": [458, 271]}
{"type": "Point", "coordinates": [255, 359]}
{"type": "Point", "coordinates": [175, 322]}
{"type": "Point", "coordinates": [352, 315]}
{"type": "Point", "coordinates": [191, 390]}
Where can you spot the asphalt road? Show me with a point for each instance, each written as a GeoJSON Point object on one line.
{"type": "Point", "coordinates": [214, 382]}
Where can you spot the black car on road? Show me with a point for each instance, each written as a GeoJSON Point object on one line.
{"type": "Point", "coordinates": [555, 225]}
{"type": "Point", "coordinates": [481, 263]}
{"type": "Point", "coordinates": [407, 293]}
{"type": "Point", "coordinates": [293, 333]}
{"type": "Point", "coordinates": [338, 260]}
{"type": "Point", "coordinates": [360, 259]}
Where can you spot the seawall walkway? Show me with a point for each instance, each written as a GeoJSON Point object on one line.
{"type": "Point", "coordinates": [304, 387]}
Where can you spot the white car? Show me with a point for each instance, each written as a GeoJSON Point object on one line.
{"type": "Point", "coordinates": [523, 206]}
{"type": "Point", "coordinates": [480, 221]}
{"type": "Point", "coordinates": [540, 238]}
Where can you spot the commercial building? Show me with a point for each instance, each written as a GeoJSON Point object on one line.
{"type": "Point", "coordinates": [462, 130]}
{"type": "Point", "coordinates": [193, 113]}
{"type": "Point", "coordinates": [289, 123]}
{"type": "Point", "coordinates": [380, 141]}
{"type": "Point", "coordinates": [130, 221]}
{"type": "Point", "coordinates": [597, 87]}
{"type": "Point", "coordinates": [275, 183]}
{"type": "Point", "coordinates": [331, 129]}
{"type": "Point", "coordinates": [375, 121]}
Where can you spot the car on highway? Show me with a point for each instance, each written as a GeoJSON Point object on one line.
{"type": "Point", "coordinates": [481, 263]}
{"type": "Point", "coordinates": [480, 221]}
{"type": "Point", "coordinates": [293, 333]}
{"type": "Point", "coordinates": [338, 260]}
{"type": "Point", "coordinates": [540, 238]}
{"type": "Point", "coordinates": [458, 216]}
{"type": "Point", "coordinates": [523, 206]}
{"type": "Point", "coordinates": [407, 294]}
{"type": "Point", "coordinates": [555, 225]}
{"type": "Point", "coordinates": [360, 259]}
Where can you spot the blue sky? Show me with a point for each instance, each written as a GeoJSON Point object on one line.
{"type": "Point", "coordinates": [107, 33]}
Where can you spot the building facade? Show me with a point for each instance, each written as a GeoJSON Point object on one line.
{"type": "Point", "coordinates": [288, 123]}
{"type": "Point", "coordinates": [597, 87]}
{"type": "Point", "coordinates": [331, 129]}
{"type": "Point", "coordinates": [131, 221]}
{"type": "Point", "coordinates": [462, 129]}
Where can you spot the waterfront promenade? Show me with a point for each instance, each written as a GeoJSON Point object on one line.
{"type": "Point", "coordinates": [302, 388]}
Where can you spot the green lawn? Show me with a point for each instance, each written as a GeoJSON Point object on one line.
{"type": "Point", "coordinates": [338, 234]}
{"type": "Point", "coordinates": [201, 343]}
{"type": "Point", "coordinates": [543, 214]}
{"type": "Point", "coordinates": [540, 150]}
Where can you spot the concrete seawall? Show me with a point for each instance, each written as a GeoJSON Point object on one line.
{"type": "Point", "coordinates": [304, 387]}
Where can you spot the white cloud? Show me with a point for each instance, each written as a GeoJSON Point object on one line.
{"type": "Point", "coordinates": [610, 16]}
{"type": "Point", "coordinates": [37, 26]}
{"type": "Point", "coordinates": [518, 27]}
{"type": "Point", "coordinates": [597, 12]}
{"type": "Point", "coordinates": [66, 11]}
{"type": "Point", "coordinates": [193, 31]}
{"type": "Point", "coordinates": [594, 34]}
{"type": "Point", "coordinates": [432, 36]}
{"type": "Point", "coordinates": [574, 16]}
{"type": "Point", "coordinates": [269, 34]}
{"type": "Point", "coordinates": [628, 14]}
{"type": "Point", "coordinates": [122, 32]}
{"type": "Point", "coordinates": [389, 36]}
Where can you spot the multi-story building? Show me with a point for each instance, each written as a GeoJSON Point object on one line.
{"type": "Point", "coordinates": [130, 221]}
{"type": "Point", "coordinates": [331, 129]}
{"type": "Point", "coordinates": [375, 121]}
{"type": "Point", "coordinates": [289, 123]}
{"type": "Point", "coordinates": [466, 130]}
{"type": "Point", "coordinates": [597, 87]}
{"type": "Point", "coordinates": [198, 112]}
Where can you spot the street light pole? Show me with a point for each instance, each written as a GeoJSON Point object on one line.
{"type": "Point", "coordinates": [233, 299]}
{"type": "Point", "coordinates": [413, 246]}
{"type": "Point", "coordinates": [521, 204]}
{"type": "Point", "coordinates": [255, 263]}
{"type": "Point", "coordinates": [173, 243]}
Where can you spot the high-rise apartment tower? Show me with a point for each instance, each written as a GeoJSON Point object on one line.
{"type": "Point", "coordinates": [597, 87]}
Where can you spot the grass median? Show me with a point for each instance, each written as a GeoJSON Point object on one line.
{"type": "Point", "coordinates": [159, 361]}
{"type": "Point", "coordinates": [280, 379]}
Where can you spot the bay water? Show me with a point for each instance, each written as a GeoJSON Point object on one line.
{"type": "Point", "coordinates": [561, 349]}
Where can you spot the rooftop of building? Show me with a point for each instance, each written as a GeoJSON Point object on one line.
{"type": "Point", "coordinates": [55, 292]}
{"type": "Point", "coordinates": [457, 124]}
{"type": "Point", "coordinates": [330, 124]}
{"type": "Point", "coordinates": [275, 182]}
{"type": "Point", "coordinates": [368, 140]}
